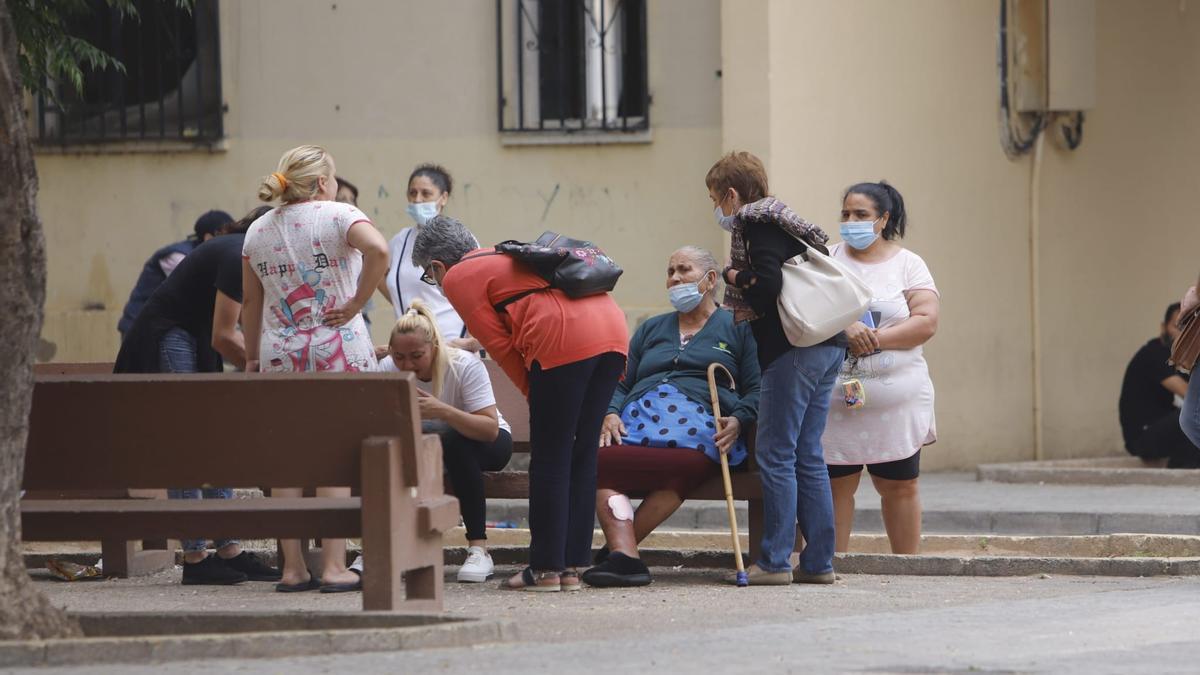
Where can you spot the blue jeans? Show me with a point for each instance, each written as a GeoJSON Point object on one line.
{"type": "Point", "coordinates": [793, 404]}
{"type": "Point", "coordinates": [1189, 417]}
{"type": "Point", "coordinates": [177, 354]}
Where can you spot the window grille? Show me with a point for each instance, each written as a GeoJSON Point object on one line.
{"type": "Point", "coordinates": [171, 87]}
{"type": "Point", "coordinates": [572, 65]}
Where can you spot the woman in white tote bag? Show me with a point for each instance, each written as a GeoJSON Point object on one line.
{"type": "Point", "coordinates": [797, 382]}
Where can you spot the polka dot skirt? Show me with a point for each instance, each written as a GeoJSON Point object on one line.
{"type": "Point", "coordinates": [665, 418]}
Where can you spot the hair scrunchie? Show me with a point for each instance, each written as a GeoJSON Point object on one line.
{"type": "Point", "coordinates": [283, 182]}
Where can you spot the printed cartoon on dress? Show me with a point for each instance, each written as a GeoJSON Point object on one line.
{"type": "Point", "coordinates": [305, 343]}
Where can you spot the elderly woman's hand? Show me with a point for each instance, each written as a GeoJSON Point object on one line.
{"type": "Point", "coordinates": [728, 430]}
{"type": "Point", "coordinates": [612, 431]}
{"type": "Point", "coordinates": [468, 344]}
{"type": "Point", "coordinates": [863, 340]}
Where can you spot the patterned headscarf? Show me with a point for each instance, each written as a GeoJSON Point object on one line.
{"type": "Point", "coordinates": [766, 210]}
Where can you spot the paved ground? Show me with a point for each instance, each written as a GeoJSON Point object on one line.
{"type": "Point", "coordinates": [689, 622]}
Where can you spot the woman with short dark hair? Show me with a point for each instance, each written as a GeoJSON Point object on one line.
{"type": "Point", "coordinates": [796, 381]}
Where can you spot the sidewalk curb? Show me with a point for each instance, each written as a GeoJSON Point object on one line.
{"type": "Point", "coordinates": [444, 632]}
{"type": "Point", "coordinates": [1034, 472]}
{"type": "Point", "coordinates": [886, 564]}
{"type": "Point", "coordinates": [1013, 566]}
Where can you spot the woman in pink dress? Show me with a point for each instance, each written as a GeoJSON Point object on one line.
{"type": "Point", "coordinates": [308, 267]}
{"type": "Point", "coordinates": [882, 410]}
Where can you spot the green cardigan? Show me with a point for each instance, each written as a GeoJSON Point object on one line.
{"type": "Point", "coordinates": [655, 357]}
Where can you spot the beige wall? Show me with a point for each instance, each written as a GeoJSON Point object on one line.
{"type": "Point", "coordinates": [400, 87]}
{"type": "Point", "coordinates": [829, 92]}
{"type": "Point", "coordinates": [870, 89]}
{"type": "Point", "coordinates": [1118, 217]}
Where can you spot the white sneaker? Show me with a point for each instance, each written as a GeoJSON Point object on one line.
{"type": "Point", "coordinates": [357, 566]}
{"type": "Point", "coordinates": [478, 567]}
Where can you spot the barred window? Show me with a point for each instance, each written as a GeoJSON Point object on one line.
{"type": "Point", "coordinates": [171, 87]}
{"type": "Point", "coordinates": [572, 65]}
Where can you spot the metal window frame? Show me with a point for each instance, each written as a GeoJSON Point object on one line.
{"type": "Point", "coordinates": [71, 126]}
{"type": "Point", "coordinates": [517, 122]}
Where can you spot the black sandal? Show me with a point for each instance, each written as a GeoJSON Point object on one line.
{"type": "Point", "coordinates": [312, 584]}
{"type": "Point", "coordinates": [537, 582]}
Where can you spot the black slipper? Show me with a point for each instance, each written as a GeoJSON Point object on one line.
{"type": "Point", "coordinates": [342, 588]}
{"type": "Point", "coordinates": [312, 584]}
{"type": "Point", "coordinates": [618, 570]}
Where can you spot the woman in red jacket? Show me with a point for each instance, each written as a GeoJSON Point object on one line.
{"type": "Point", "coordinates": [566, 355]}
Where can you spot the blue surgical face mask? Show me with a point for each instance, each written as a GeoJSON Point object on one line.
{"type": "Point", "coordinates": [859, 234]}
{"type": "Point", "coordinates": [726, 222]}
{"type": "Point", "coordinates": [423, 212]}
{"type": "Point", "coordinates": [686, 297]}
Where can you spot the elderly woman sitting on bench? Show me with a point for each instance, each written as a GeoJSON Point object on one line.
{"type": "Point", "coordinates": [659, 440]}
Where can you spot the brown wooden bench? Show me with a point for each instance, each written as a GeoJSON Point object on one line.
{"type": "Point", "coordinates": [116, 432]}
{"type": "Point", "coordinates": [121, 558]}
{"type": "Point", "coordinates": [515, 484]}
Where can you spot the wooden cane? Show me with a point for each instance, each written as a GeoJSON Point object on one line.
{"type": "Point", "coordinates": [742, 579]}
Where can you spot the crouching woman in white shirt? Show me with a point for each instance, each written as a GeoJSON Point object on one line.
{"type": "Point", "coordinates": [457, 403]}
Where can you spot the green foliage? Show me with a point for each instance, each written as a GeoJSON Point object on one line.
{"type": "Point", "coordinates": [49, 53]}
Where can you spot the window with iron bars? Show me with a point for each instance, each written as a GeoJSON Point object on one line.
{"type": "Point", "coordinates": [572, 65]}
{"type": "Point", "coordinates": [170, 89]}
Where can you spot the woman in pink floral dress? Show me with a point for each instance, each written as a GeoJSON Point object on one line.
{"type": "Point", "coordinates": [308, 268]}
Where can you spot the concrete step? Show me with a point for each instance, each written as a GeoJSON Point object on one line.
{"type": "Point", "coordinates": [712, 516]}
{"type": "Point", "coordinates": [957, 503]}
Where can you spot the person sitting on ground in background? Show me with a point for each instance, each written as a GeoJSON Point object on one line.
{"type": "Point", "coordinates": [660, 440]}
{"type": "Point", "coordinates": [457, 403]}
{"type": "Point", "coordinates": [308, 268]}
{"type": "Point", "coordinates": [797, 382]}
{"type": "Point", "coordinates": [190, 325]}
{"type": "Point", "coordinates": [1151, 394]}
{"type": "Point", "coordinates": [882, 410]}
{"type": "Point", "coordinates": [164, 261]}
{"type": "Point", "coordinates": [429, 188]}
{"type": "Point", "coordinates": [566, 355]}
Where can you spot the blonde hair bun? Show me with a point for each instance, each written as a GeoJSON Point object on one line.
{"type": "Point", "coordinates": [297, 175]}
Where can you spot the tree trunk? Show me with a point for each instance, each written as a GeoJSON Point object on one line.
{"type": "Point", "coordinates": [24, 611]}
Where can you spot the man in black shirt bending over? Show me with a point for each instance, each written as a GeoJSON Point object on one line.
{"type": "Point", "coordinates": [190, 325]}
{"type": "Point", "coordinates": [1149, 417]}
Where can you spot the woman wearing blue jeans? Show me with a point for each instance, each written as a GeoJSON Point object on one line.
{"type": "Point", "coordinates": [797, 382]}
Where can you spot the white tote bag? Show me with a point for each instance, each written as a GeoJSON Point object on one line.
{"type": "Point", "coordinates": [820, 298]}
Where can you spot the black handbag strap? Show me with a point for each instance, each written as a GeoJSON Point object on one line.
{"type": "Point", "coordinates": [501, 307]}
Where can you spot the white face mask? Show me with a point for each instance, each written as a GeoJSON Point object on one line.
{"type": "Point", "coordinates": [726, 222]}
{"type": "Point", "coordinates": [422, 212]}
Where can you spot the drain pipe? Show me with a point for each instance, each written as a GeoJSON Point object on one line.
{"type": "Point", "coordinates": [1035, 175]}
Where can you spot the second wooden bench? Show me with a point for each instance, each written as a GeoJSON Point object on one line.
{"type": "Point", "coordinates": [510, 484]}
